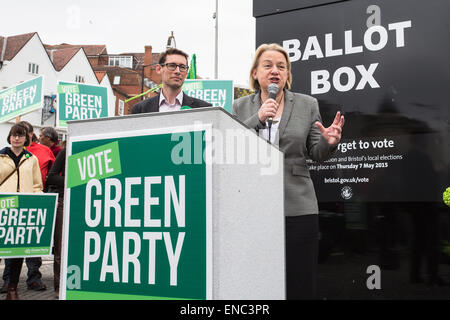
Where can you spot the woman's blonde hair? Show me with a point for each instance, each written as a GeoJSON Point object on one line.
{"type": "Point", "coordinates": [254, 84]}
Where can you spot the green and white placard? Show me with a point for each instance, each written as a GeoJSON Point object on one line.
{"type": "Point", "coordinates": [78, 101]}
{"type": "Point", "coordinates": [21, 99]}
{"type": "Point", "coordinates": [27, 222]}
{"type": "Point", "coordinates": [219, 93]}
{"type": "Point", "coordinates": [138, 216]}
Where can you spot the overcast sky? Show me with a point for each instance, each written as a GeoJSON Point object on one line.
{"type": "Point", "coordinates": [127, 26]}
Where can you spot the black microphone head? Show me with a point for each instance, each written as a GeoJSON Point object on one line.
{"type": "Point", "coordinates": [273, 90]}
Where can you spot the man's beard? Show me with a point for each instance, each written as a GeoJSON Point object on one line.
{"type": "Point", "coordinates": [174, 86]}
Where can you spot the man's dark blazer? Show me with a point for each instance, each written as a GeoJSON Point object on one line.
{"type": "Point", "coordinates": [152, 104]}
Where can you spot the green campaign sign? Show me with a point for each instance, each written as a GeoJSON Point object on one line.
{"type": "Point", "coordinates": [137, 217]}
{"type": "Point", "coordinates": [26, 224]}
{"type": "Point", "coordinates": [78, 101]}
{"type": "Point", "coordinates": [219, 93]}
{"type": "Point", "coordinates": [21, 99]}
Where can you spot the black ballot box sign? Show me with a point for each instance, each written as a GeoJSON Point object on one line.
{"type": "Point", "coordinates": [384, 65]}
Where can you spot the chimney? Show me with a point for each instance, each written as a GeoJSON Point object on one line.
{"type": "Point", "coordinates": [148, 60]}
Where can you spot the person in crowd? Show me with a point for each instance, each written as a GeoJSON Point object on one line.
{"type": "Point", "coordinates": [297, 127]}
{"type": "Point", "coordinates": [42, 152]}
{"type": "Point", "coordinates": [19, 172]}
{"type": "Point", "coordinates": [173, 68]}
{"type": "Point", "coordinates": [49, 138]}
{"type": "Point", "coordinates": [55, 181]}
{"type": "Point", "coordinates": [45, 158]}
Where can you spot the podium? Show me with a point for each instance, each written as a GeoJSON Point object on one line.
{"type": "Point", "coordinates": [172, 205]}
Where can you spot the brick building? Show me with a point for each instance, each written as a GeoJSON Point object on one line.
{"type": "Point", "coordinates": [24, 57]}
{"type": "Point", "coordinates": [123, 70]}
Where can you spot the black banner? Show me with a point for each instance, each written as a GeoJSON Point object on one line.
{"type": "Point", "coordinates": [261, 8]}
{"type": "Point", "coordinates": [385, 65]}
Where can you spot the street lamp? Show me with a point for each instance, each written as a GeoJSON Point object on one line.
{"type": "Point", "coordinates": [216, 54]}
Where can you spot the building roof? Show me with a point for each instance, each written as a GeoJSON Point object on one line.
{"type": "Point", "coordinates": [60, 57]}
{"type": "Point", "coordinates": [128, 77]}
{"type": "Point", "coordinates": [130, 91]}
{"type": "Point", "coordinates": [89, 49]}
{"type": "Point", "coordinates": [13, 45]}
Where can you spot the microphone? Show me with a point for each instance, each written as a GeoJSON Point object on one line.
{"type": "Point", "coordinates": [273, 90]}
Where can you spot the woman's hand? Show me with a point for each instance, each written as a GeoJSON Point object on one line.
{"type": "Point", "coordinates": [333, 133]}
{"type": "Point", "coordinates": [268, 109]}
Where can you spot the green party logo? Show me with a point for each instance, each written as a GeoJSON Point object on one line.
{"type": "Point", "coordinates": [97, 163]}
{"type": "Point", "coordinates": [68, 88]}
{"type": "Point", "coordinates": [9, 202]}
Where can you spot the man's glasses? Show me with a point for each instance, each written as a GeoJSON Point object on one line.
{"type": "Point", "coordinates": [173, 66]}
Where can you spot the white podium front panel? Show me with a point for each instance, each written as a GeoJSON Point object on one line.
{"type": "Point", "coordinates": [246, 244]}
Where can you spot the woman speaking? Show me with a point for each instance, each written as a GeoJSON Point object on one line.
{"type": "Point", "coordinates": [292, 121]}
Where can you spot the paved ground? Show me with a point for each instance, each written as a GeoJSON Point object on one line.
{"type": "Point", "coordinates": [47, 277]}
{"type": "Point", "coordinates": [343, 276]}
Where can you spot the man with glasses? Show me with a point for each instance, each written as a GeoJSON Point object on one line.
{"type": "Point", "coordinates": [173, 68]}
